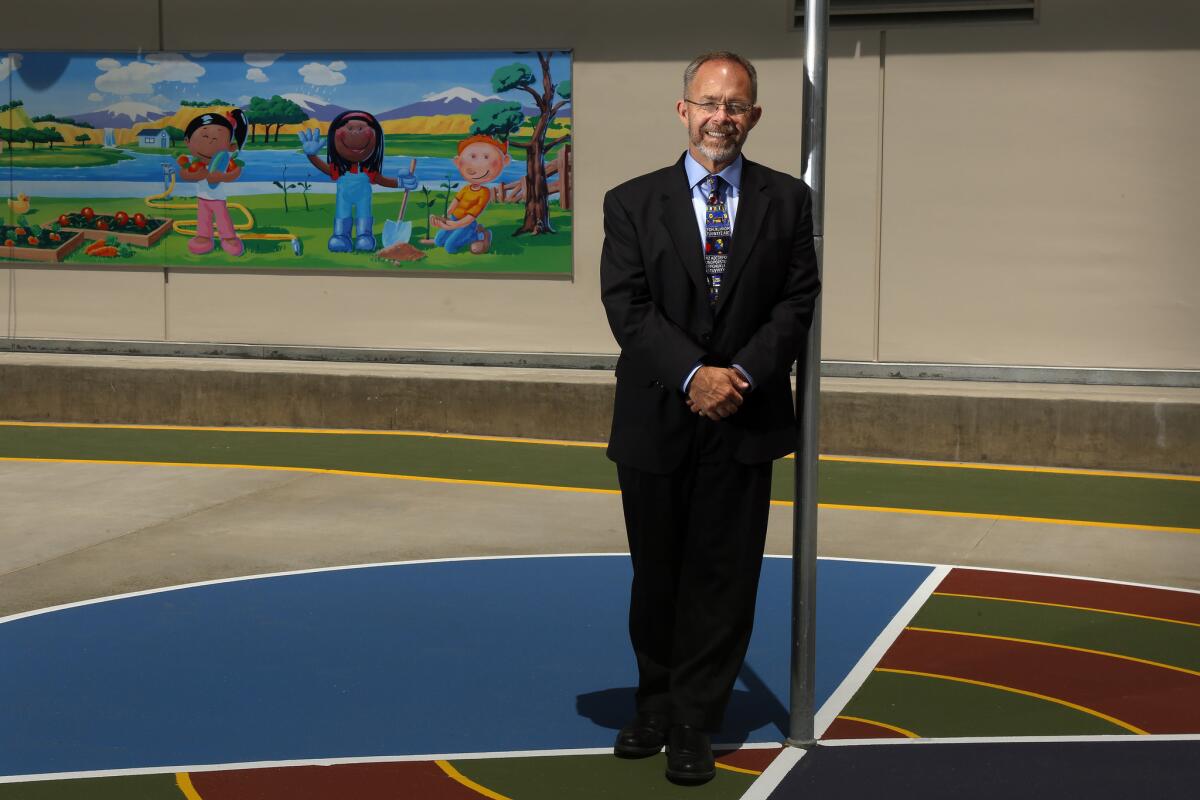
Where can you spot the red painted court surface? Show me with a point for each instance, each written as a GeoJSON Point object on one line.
{"type": "Point", "coordinates": [1081, 674]}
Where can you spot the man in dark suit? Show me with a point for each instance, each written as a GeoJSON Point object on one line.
{"type": "Point", "coordinates": [708, 284]}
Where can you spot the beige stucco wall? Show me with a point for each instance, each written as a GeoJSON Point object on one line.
{"type": "Point", "coordinates": [999, 194]}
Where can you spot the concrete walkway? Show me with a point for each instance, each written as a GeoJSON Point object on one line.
{"type": "Point", "coordinates": [77, 531]}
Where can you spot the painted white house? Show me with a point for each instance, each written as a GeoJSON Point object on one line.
{"type": "Point", "coordinates": [154, 137]}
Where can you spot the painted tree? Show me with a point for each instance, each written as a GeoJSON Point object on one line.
{"type": "Point", "coordinates": [83, 139]}
{"type": "Point", "coordinates": [504, 119]}
{"type": "Point", "coordinates": [33, 136]}
{"type": "Point", "coordinates": [258, 113]}
{"type": "Point", "coordinates": [277, 111]}
{"type": "Point", "coordinates": [174, 134]}
{"type": "Point", "coordinates": [52, 135]}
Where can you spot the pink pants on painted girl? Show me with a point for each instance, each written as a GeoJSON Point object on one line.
{"type": "Point", "coordinates": [208, 211]}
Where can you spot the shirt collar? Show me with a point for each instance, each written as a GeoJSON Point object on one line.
{"type": "Point", "coordinates": [732, 174]}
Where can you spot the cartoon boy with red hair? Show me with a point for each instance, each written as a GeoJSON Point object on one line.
{"type": "Point", "coordinates": [480, 160]}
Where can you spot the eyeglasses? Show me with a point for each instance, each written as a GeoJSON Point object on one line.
{"type": "Point", "coordinates": [732, 109]}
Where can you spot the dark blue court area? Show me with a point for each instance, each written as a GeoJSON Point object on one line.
{"type": "Point", "coordinates": [464, 656]}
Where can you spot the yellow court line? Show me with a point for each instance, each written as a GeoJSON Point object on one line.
{"type": "Point", "coordinates": [451, 772]}
{"type": "Point", "coordinates": [1064, 605]}
{"type": "Point", "coordinates": [973, 515]}
{"type": "Point", "coordinates": [184, 781]}
{"type": "Point", "coordinates": [1057, 700]}
{"type": "Point", "coordinates": [1056, 645]}
{"type": "Point", "coordinates": [1099, 473]}
{"type": "Point", "coordinates": [581, 489]}
{"type": "Point", "coordinates": [321, 471]}
{"type": "Point", "coordinates": [316, 431]}
{"type": "Point", "coordinates": [876, 723]}
{"type": "Point", "coordinates": [576, 443]}
{"type": "Point", "coordinates": [732, 768]}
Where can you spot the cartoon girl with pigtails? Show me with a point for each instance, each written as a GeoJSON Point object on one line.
{"type": "Point", "coordinates": [213, 139]}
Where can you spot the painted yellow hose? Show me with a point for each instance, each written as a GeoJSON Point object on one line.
{"type": "Point", "coordinates": [189, 228]}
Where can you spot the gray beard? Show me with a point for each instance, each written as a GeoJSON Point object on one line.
{"type": "Point", "coordinates": [716, 154]}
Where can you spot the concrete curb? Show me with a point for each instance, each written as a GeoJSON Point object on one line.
{"type": "Point", "coordinates": [1128, 428]}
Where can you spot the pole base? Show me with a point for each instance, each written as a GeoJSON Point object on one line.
{"type": "Point", "coordinates": [803, 744]}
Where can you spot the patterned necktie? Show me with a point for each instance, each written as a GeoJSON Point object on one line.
{"type": "Point", "coordinates": [718, 234]}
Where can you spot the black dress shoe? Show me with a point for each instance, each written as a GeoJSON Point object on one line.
{"type": "Point", "coordinates": [689, 755]}
{"type": "Point", "coordinates": [643, 737]}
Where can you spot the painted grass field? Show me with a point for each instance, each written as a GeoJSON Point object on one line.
{"type": "Point", "coordinates": [523, 255]}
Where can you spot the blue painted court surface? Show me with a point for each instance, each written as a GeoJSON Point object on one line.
{"type": "Point", "coordinates": [445, 657]}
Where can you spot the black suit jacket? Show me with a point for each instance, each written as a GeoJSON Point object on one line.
{"type": "Point", "coordinates": [653, 286]}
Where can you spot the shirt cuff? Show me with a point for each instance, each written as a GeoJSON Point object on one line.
{"type": "Point", "coordinates": [745, 374]}
{"type": "Point", "coordinates": [687, 381]}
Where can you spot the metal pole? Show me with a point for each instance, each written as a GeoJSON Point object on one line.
{"type": "Point", "coordinates": [808, 370]}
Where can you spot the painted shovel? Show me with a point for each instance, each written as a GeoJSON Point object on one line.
{"type": "Point", "coordinates": [399, 230]}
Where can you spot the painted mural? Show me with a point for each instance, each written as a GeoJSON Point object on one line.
{"type": "Point", "coordinates": [400, 162]}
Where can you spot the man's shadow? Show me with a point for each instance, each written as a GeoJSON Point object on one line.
{"type": "Point", "coordinates": [749, 709]}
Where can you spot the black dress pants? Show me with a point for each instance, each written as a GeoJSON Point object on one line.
{"type": "Point", "coordinates": [696, 540]}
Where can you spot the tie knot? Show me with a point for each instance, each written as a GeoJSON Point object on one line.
{"type": "Point", "coordinates": [711, 186]}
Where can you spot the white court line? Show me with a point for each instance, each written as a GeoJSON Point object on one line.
{"type": "Point", "coordinates": [860, 672]}
{"type": "Point", "coordinates": [774, 774]}
{"type": "Point", "coordinates": [329, 762]}
{"type": "Point", "coordinates": [1128, 737]}
{"type": "Point", "coordinates": [265, 575]}
{"type": "Point", "coordinates": [1014, 572]}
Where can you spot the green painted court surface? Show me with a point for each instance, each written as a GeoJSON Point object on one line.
{"type": "Point", "coordinates": [1072, 496]}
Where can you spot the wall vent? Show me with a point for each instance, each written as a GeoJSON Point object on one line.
{"type": "Point", "coordinates": [904, 13]}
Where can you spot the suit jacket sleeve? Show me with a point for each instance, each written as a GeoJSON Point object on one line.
{"type": "Point", "coordinates": [655, 345]}
{"type": "Point", "coordinates": [773, 348]}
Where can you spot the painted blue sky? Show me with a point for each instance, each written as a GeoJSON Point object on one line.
{"type": "Point", "coordinates": [66, 83]}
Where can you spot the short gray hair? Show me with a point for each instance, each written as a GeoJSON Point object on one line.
{"type": "Point", "coordinates": [689, 74]}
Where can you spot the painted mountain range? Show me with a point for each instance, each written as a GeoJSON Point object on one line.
{"type": "Point", "coordinates": [121, 115]}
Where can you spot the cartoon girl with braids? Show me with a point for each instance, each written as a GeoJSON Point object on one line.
{"type": "Point", "coordinates": [212, 139]}
{"type": "Point", "coordinates": [355, 163]}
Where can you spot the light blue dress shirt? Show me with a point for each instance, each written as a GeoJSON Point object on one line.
{"type": "Point", "coordinates": [732, 175]}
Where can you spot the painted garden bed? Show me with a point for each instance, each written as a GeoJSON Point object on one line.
{"type": "Point", "coordinates": [37, 244]}
{"type": "Point", "coordinates": [138, 229]}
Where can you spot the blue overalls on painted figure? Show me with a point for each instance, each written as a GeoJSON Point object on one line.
{"type": "Point", "coordinates": [353, 202]}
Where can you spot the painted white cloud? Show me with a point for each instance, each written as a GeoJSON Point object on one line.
{"type": "Point", "coordinates": [323, 75]}
{"type": "Point", "coordinates": [140, 77]}
{"type": "Point", "coordinates": [262, 59]}
{"type": "Point", "coordinates": [244, 100]}
{"type": "Point", "coordinates": [9, 64]}
{"type": "Point", "coordinates": [257, 75]}
{"type": "Point", "coordinates": [136, 78]}
{"type": "Point", "coordinates": [96, 97]}
{"type": "Point", "coordinates": [337, 66]}
{"type": "Point", "coordinates": [175, 67]}
{"type": "Point", "coordinates": [162, 100]}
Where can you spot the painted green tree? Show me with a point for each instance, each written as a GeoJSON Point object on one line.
{"type": "Point", "coordinates": [277, 111]}
{"type": "Point", "coordinates": [33, 136]}
{"type": "Point", "coordinates": [503, 119]}
{"type": "Point", "coordinates": [52, 135]}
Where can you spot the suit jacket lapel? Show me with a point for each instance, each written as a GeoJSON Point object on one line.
{"type": "Point", "coordinates": [753, 202]}
{"type": "Point", "coordinates": [679, 217]}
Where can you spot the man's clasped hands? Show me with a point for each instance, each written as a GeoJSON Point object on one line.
{"type": "Point", "coordinates": [716, 392]}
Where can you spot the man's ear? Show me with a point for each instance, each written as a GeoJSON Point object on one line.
{"type": "Point", "coordinates": [681, 110]}
{"type": "Point", "coordinates": [507, 159]}
{"type": "Point", "coordinates": [755, 116]}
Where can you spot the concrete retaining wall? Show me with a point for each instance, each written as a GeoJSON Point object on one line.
{"type": "Point", "coordinates": [1132, 428]}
